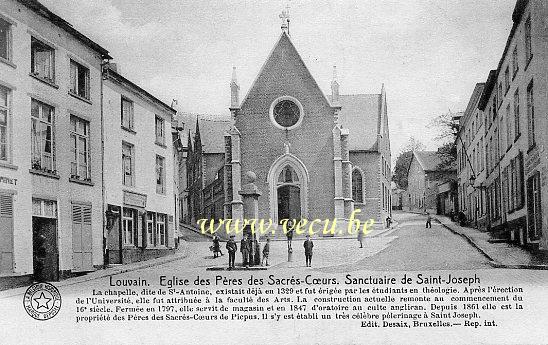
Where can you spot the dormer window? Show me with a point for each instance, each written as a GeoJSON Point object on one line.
{"type": "Point", "coordinates": [42, 60]}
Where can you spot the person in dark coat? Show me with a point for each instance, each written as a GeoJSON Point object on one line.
{"type": "Point", "coordinates": [266, 252]}
{"type": "Point", "coordinates": [308, 245]}
{"type": "Point", "coordinates": [216, 246]}
{"type": "Point", "coordinates": [428, 220]}
{"type": "Point", "coordinates": [244, 249]}
{"type": "Point", "coordinates": [231, 247]}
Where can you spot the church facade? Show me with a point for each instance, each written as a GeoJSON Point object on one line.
{"type": "Point", "coordinates": [315, 157]}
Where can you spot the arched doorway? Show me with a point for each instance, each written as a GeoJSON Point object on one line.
{"type": "Point", "coordinates": [289, 194]}
{"type": "Point", "coordinates": [288, 185]}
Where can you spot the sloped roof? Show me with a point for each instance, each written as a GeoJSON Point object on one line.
{"type": "Point", "coordinates": [212, 130]}
{"type": "Point", "coordinates": [43, 11]}
{"type": "Point", "coordinates": [360, 114]}
{"type": "Point", "coordinates": [284, 40]}
{"type": "Point", "coordinates": [428, 160]}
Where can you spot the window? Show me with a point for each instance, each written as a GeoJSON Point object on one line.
{"type": "Point", "coordinates": [4, 123]}
{"type": "Point", "coordinates": [127, 113]}
{"type": "Point", "coordinates": [44, 208]}
{"type": "Point", "coordinates": [500, 95]}
{"type": "Point", "coordinates": [516, 114]}
{"type": "Point", "coordinates": [43, 144]}
{"type": "Point", "coordinates": [515, 64]}
{"type": "Point", "coordinates": [357, 186]}
{"type": "Point", "coordinates": [80, 167]}
{"type": "Point", "coordinates": [286, 112]}
{"type": "Point", "coordinates": [482, 154]}
{"type": "Point", "coordinates": [519, 193]}
{"type": "Point", "coordinates": [528, 45]}
{"type": "Point", "coordinates": [79, 80]}
{"type": "Point", "coordinates": [512, 186]}
{"type": "Point", "coordinates": [160, 175]}
{"type": "Point", "coordinates": [534, 211]}
{"type": "Point", "coordinates": [509, 139]}
{"type": "Point", "coordinates": [160, 131]}
{"type": "Point", "coordinates": [505, 191]}
{"type": "Point", "coordinates": [5, 40]}
{"type": "Point", "coordinates": [530, 115]}
{"type": "Point", "coordinates": [506, 80]}
{"type": "Point", "coordinates": [42, 60]}
{"type": "Point", "coordinates": [497, 147]}
{"type": "Point", "coordinates": [128, 226]}
{"type": "Point", "coordinates": [128, 164]}
{"type": "Point", "coordinates": [150, 228]}
{"type": "Point", "coordinates": [161, 228]}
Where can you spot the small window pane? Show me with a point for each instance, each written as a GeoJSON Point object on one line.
{"type": "Point", "coordinates": [4, 39]}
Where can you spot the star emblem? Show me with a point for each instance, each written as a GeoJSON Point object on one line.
{"type": "Point", "coordinates": [42, 301]}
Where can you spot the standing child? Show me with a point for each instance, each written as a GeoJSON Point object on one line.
{"type": "Point", "coordinates": [216, 246]}
{"type": "Point", "coordinates": [266, 251]}
{"type": "Point", "coordinates": [308, 245]}
{"type": "Point", "coordinates": [428, 220]}
{"type": "Point", "coordinates": [231, 247]}
{"type": "Point", "coordinates": [244, 249]}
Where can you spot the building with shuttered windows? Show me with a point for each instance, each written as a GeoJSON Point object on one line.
{"type": "Point", "coordinates": [51, 222]}
{"type": "Point", "coordinates": [139, 185]}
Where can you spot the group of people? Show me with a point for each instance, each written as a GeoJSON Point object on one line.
{"type": "Point", "coordinates": [247, 246]}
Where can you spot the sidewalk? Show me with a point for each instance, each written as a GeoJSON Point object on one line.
{"type": "Point", "coordinates": [181, 253]}
{"type": "Point", "coordinates": [503, 255]}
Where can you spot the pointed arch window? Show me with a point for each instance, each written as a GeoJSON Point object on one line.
{"type": "Point", "coordinates": [357, 186]}
{"type": "Point", "coordinates": [288, 175]}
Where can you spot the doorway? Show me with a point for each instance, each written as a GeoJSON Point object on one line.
{"type": "Point", "coordinates": [44, 240]}
{"type": "Point", "coordinates": [289, 202]}
{"type": "Point", "coordinates": [45, 253]}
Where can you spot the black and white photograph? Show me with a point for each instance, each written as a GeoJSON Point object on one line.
{"type": "Point", "coordinates": [273, 172]}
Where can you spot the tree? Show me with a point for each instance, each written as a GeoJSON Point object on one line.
{"type": "Point", "coordinates": [448, 124]}
{"type": "Point", "coordinates": [403, 161]}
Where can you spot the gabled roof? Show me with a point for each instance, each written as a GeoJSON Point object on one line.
{"type": "Point", "coordinates": [116, 77]}
{"type": "Point", "coordinates": [43, 11]}
{"type": "Point", "coordinates": [472, 103]}
{"type": "Point", "coordinates": [212, 130]}
{"type": "Point", "coordinates": [361, 114]}
{"type": "Point", "coordinates": [428, 160]}
{"type": "Point", "coordinates": [284, 39]}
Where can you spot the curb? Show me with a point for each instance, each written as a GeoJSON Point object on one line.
{"type": "Point", "coordinates": [494, 263]}
{"type": "Point", "coordinates": [224, 268]}
{"type": "Point", "coordinates": [469, 240]}
{"type": "Point", "coordinates": [106, 273]}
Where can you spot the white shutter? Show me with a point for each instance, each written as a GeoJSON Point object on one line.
{"type": "Point", "coordinates": [6, 233]}
{"type": "Point", "coordinates": [82, 254]}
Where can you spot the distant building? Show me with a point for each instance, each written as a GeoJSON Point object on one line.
{"type": "Point", "coordinates": [139, 184]}
{"type": "Point", "coordinates": [447, 202]}
{"type": "Point", "coordinates": [513, 105]}
{"type": "Point", "coordinates": [205, 161]}
{"type": "Point", "coordinates": [397, 196]}
{"type": "Point", "coordinates": [471, 162]}
{"type": "Point", "coordinates": [425, 173]}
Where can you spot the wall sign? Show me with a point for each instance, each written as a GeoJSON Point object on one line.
{"type": "Point", "coordinates": [8, 180]}
{"type": "Point", "coordinates": [135, 199]}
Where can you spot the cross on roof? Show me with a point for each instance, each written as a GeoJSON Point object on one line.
{"type": "Point", "coordinates": [284, 16]}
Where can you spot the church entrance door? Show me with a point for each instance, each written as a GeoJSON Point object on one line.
{"type": "Point", "coordinates": [289, 202]}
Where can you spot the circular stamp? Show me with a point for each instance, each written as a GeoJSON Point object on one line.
{"type": "Point", "coordinates": [42, 301]}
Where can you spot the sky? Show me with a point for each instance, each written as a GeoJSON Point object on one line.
{"type": "Point", "coordinates": [428, 54]}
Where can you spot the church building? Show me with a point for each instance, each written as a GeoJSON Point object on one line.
{"type": "Point", "coordinates": [315, 156]}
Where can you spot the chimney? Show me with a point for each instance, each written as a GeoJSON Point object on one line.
{"type": "Point", "coordinates": [114, 67]}
{"type": "Point", "coordinates": [335, 88]}
{"type": "Point", "coordinates": [234, 91]}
